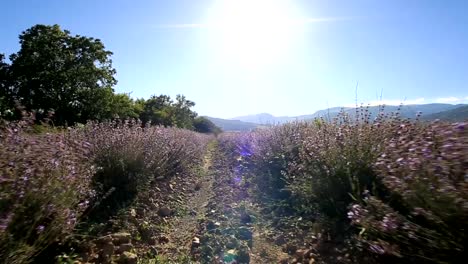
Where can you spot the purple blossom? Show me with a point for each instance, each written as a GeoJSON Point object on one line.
{"type": "Point", "coordinates": [389, 223]}
{"type": "Point", "coordinates": [40, 229]}
{"type": "Point", "coordinates": [378, 249]}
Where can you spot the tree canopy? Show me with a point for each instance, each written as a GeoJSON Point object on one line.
{"type": "Point", "coordinates": [4, 85]}
{"type": "Point", "coordinates": [204, 125]}
{"type": "Point", "coordinates": [72, 77]}
{"type": "Point", "coordinates": [162, 110]}
{"type": "Point", "coordinates": [69, 75]}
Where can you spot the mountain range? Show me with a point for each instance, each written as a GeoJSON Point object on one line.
{"type": "Point", "coordinates": [232, 125]}
{"type": "Point", "coordinates": [447, 112]}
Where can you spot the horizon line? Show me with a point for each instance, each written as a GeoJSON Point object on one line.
{"type": "Point", "coordinates": [451, 101]}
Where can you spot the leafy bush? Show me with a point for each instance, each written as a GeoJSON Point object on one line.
{"type": "Point", "coordinates": [204, 125]}
{"type": "Point", "coordinates": [44, 189]}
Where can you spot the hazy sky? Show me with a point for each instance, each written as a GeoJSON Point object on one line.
{"type": "Point", "coordinates": [284, 57]}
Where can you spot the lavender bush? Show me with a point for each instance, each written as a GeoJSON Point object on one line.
{"type": "Point", "coordinates": [320, 166]}
{"type": "Point", "coordinates": [335, 162]}
{"type": "Point", "coordinates": [425, 167]}
{"type": "Point", "coordinates": [45, 187]}
{"type": "Point", "coordinates": [394, 189]}
{"type": "Point", "coordinates": [51, 182]}
{"type": "Point", "coordinates": [128, 157]}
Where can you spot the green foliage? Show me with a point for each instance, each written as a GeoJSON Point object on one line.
{"type": "Point", "coordinates": [70, 79]}
{"type": "Point", "coordinates": [157, 110]}
{"type": "Point", "coordinates": [67, 259]}
{"type": "Point", "coordinates": [70, 75]}
{"type": "Point", "coordinates": [162, 110]}
{"type": "Point", "coordinates": [165, 260]}
{"type": "Point", "coordinates": [5, 84]}
{"type": "Point", "coordinates": [204, 125]}
{"type": "Point", "coordinates": [122, 106]}
{"type": "Point", "coordinates": [183, 115]}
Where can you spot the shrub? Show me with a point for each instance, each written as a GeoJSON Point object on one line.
{"type": "Point", "coordinates": [319, 167]}
{"type": "Point", "coordinates": [394, 188]}
{"type": "Point", "coordinates": [425, 168]}
{"type": "Point", "coordinates": [52, 181]}
{"type": "Point", "coordinates": [335, 165]}
{"type": "Point", "coordinates": [228, 142]}
{"type": "Point", "coordinates": [128, 157]}
{"type": "Point", "coordinates": [204, 125]}
{"type": "Point", "coordinates": [275, 150]}
{"type": "Point", "coordinates": [44, 189]}
{"type": "Point", "coordinates": [324, 168]}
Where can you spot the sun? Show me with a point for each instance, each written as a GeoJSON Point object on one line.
{"type": "Point", "coordinates": [253, 33]}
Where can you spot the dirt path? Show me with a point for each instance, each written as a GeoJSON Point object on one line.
{"type": "Point", "coordinates": [207, 217]}
{"type": "Point", "coordinates": [222, 224]}
{"type": "Point", "coordinates": [233, 229]}
{"type": "Point", "coordinates": [183, 229]}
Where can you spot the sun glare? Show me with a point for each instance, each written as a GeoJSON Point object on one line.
{"type": "Point", "coordinates": [253, 33]}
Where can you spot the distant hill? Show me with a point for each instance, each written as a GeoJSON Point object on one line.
{"type": "Point", "coordinates": [264, 118]}
{"type": "Point", "coordinates": [446, 112]}
{"type": "Point", "coordinates": [232, 125]}
{"type": "Point", "coordinates": [454, 115]}
{"type": "Point", "coordinates": [406, 111]}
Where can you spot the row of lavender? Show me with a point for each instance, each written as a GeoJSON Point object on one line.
{"type": "Point", "coordinates": [52, 182]}
{"type": "Point", "coordinates": [395, 190]}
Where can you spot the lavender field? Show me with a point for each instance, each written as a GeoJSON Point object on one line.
{"type": "Point", "coordinates": [61, 186]}
{"type": "Point", "coordinates": [233, 132]}
{"type": "Point", "coordinates": [360, 190]}
{"type": "Point", "coordinates": [386, 190]}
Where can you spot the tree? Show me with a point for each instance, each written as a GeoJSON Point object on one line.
{"type": "Point", "coordinates": [157, 110]}
{"type": "Point", "coordinates": [204, 125]}
{"type": "Point", "coordinates": [70, 75]}
{"type": "Point", "coordinates": [123, 107]}
{"type": "Point", "coordinates": [5, 102]}
{"type": "Point", "coordinates": [3, 84]}
{"type": "Point", "coordinates": [183, 115]}
{"type": "Point", "coordinates": [162, 110]}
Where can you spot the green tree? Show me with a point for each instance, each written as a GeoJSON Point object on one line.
{"type": "Point", "coordinates": [158, 110]}
{"type": "Point", "coordinates": [183, 115]}
{"type": "Point", "coordinates": [5, 87]}
{"type": "Point", "coordinates": [70, 75]}
{"type": "Point", "coordinates": [123, 107]}
{"type": "Point", "coordinates": [204, 125]}
{"type": "Point", "coordinates": [162, 110]}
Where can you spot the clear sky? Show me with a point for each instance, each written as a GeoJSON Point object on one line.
{"type": "Point", "coordinates": [284, 57]}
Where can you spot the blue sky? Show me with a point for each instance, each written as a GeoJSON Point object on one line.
{"type": "Point", "coordinates": [284, 57]}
